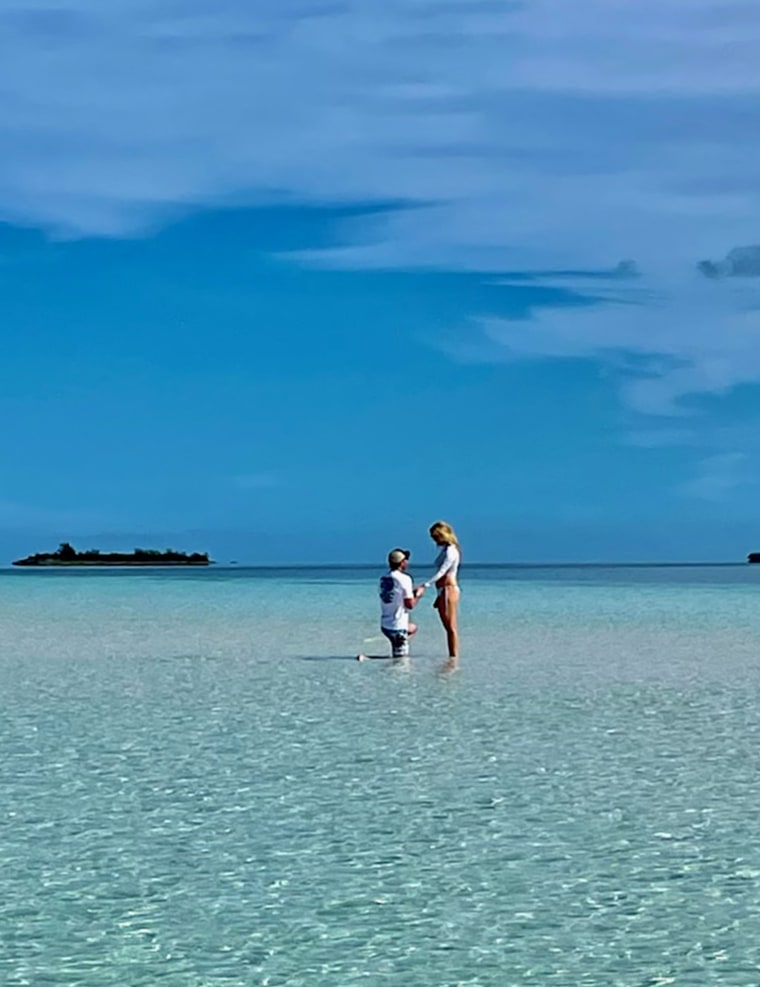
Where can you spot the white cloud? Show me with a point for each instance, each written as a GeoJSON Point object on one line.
{"type": "Point", "coordinates": [717, 477]}
{"type": "Point", "coordinates": [543, 133]}
{"type": "Point", "coordinates": [667, 339]}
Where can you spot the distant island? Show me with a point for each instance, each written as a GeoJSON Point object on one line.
{"type": "Point", "coordinates": [68, 556]}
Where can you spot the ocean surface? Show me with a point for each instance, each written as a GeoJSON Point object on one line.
{"type": "Point", "coordinates": [201, 787]}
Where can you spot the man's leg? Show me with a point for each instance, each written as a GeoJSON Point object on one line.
{"type": "Point", "coordinates": [392, 637]}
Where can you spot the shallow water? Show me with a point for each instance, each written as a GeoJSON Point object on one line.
{"type": "Point", "coordinates": [200, 787]}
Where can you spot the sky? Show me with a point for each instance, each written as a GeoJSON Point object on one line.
{"type": "Point", "coordinates": [287, 281]}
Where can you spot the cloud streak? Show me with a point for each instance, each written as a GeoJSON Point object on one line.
{"type": "Point", "coordinates": [667, 340]}
{"type": "Point", "coordinates": [741, 262]}
{"type": "Point", "coordinates": [519, 135]}
{"type": "Point", "coordinates": [534, 134]}
{"type": "Point", "coordinates": [717, 477]}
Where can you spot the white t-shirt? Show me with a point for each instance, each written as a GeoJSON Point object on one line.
{"type": "Point", "coordinates": [395, 587]}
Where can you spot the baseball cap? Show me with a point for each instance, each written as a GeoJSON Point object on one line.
{"type": "Point", "coordinates": [397, 556]}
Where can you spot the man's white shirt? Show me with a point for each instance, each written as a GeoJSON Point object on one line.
{"type": "Point", "coordinates": [395, 587]}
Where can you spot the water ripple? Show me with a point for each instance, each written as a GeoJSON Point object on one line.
{"type": "Point", "coordinates": [187, 802]}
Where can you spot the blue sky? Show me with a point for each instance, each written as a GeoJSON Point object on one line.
{"type": "Point", "coordinates": [288, 281]}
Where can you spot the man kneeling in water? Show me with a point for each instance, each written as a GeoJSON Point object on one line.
{"type": "Point", "coordinates": [396, 600]}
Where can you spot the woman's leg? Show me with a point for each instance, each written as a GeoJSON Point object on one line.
{"type": "Point", "coordinates": [447, 604]}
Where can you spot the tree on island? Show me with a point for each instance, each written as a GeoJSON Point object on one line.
{"type": "Point", "coordinates": [68, 555]}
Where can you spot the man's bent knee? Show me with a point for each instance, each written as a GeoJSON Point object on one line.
{"type": "Point", "coordinates": [399, 640]}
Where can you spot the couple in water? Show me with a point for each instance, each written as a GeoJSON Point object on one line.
{"type": "Point", "coordinates": [398, 596]}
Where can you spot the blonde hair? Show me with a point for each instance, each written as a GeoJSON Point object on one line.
{"type": "Point", "coordinates": [443, 531]}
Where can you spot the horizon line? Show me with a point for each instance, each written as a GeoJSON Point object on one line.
{"type": "Point", "coordinates": [378, 565]}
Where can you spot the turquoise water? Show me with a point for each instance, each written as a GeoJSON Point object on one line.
{"type": "Point", "coordinates": [201, 788]}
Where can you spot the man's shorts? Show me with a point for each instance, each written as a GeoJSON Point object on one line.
{"type": "Point", "coordinates": [399, 641]}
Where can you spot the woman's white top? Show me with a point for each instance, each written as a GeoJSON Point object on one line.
{"type": "Point", "coordinates": [447, 562]}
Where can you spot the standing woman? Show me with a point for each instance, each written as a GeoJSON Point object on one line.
{"type": "Point", "coordinates": [445, 579]}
